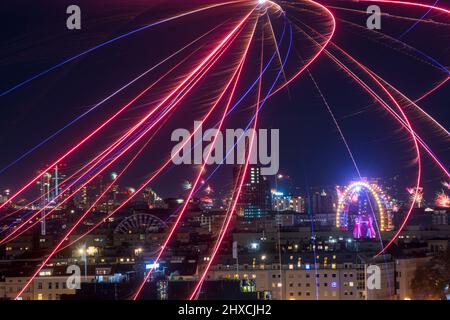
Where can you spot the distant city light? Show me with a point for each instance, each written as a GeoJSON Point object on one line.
{"type": "Point", "coordinates": [91, 251]}
{"type": "Point", "coordinates": [254, 245]}
{"type": "Point", "coordinates": [187, 185]}
{"type": "Point", "coordinates": [443, 200]}
{"type": "Point", "coordinates": [151, 266]}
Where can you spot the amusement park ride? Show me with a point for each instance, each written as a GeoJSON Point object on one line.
{"type": "Point", "coordinates": [364, 208]}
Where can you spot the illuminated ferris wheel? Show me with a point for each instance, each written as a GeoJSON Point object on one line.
{"type": "Point", "coordinates": [140, 223]}
{"type": "Point", "coordinates": [364, 208]}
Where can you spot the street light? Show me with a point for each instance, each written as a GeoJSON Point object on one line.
{"type": "Point", "coordinates": [83, 255]}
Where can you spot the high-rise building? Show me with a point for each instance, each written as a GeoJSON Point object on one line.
{"type": "Point", "coordinates": [50, 190]}
{"type": "Point", "coordinates": [4, 196]}
{"type": "Point", "coordinates": [255, 198]}
{"type": "Point", "coordinates": [89, 193]}
{"type": "Point", "coordinates": [320, 202]}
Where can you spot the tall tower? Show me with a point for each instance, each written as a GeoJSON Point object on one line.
{"type": "Point", "coordinates": [45, 190]}
{"type": "Point", "coordinates": [49, 187]}
{"type": "Point", "coordinates": [255, 198]}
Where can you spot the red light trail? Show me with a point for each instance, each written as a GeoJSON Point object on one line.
{"type": "Point", "coordinates": [237, 192]}
{"type": "Point", "coordinates": [199, 176]}
{"type": "Point", "coordinates": [204, 64]}
{"type": "Point", "coordinates": [191, 75]}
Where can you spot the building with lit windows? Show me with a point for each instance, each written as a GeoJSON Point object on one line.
{"type": "Point", "coordinates": [4, 196]}
{"type": "Point", "coordinates": [321, 201]}
{"type": "Point", "coordinates": [337, 277]}
{"type": "Point", "coordinates": [255, 199]}
{"type": "Point", "coordinates": [281, 202]}
{"type": "Point", "coordinates": [53, 282]}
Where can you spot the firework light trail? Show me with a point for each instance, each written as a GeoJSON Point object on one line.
{"type": "Point", "coordinates": [159, 171]}
{"type": "Point", "coordinates": [201, 171]}
{"type": "Point", "coordinates": [214, 53]}
{"type": "Point", "coordinates": [193, 62]}
{"type": "Point", "coordinates": [197, 78]}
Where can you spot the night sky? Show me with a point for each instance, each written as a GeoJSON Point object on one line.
{"type": "Point", "coordinates": [34, 38]}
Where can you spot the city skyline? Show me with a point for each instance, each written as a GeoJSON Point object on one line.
{"type": "Point", "coordinates": [272, 150]}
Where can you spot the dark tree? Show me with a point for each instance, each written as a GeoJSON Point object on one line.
{"type": "Point", "coordinates": [431, 279]}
